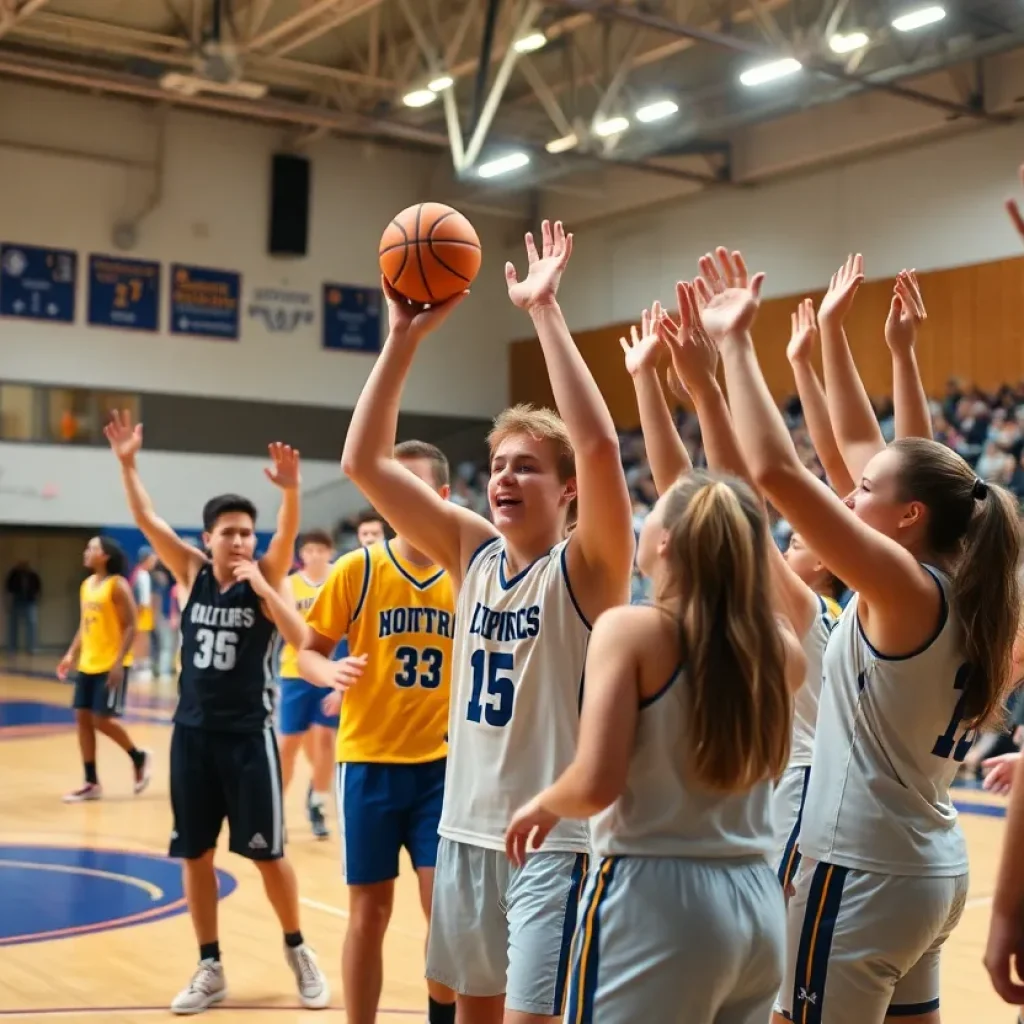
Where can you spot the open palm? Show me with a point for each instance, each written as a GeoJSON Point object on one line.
{"type": "Point", "coordinates": [842, 290]}
{"type": "Point", "coordinates": [906, 313]}
{"type": "Point", "coordinates": [125, 437]}
{"type": "Point", "coordinates": [727, 297]}
{"type": "Point", "coordinates": [644, 347]}
{"type": "Point", "coordinates": [284, 472]}
{"type": "Point", "coordinates": [803, 334]}
{"type": "Point", "coordinates": [694, 354]}
{"type": "Point", "coordinates": [545, 268]}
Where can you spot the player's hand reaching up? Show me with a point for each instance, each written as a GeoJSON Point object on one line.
{"type": "Point", "coordinates": [284, 472]}
{"type": "Point", "coordinates": [803, 334]}
{"type": "Point", "coordinates": [124, 437]}
{"type": "Point", "coordinates": [644, 347]}
{"type": "Point", "coordinates": [727, 296]}
{"type": "Point", "coordinates": [545, 268]}
{"type": "Point", "coordinates": [412, 320]}
{"type": "Point", "coordinates": [347, 672]}
{"type": "Point", "coordinates": [842, 290]}
{"type": "Point", "coordinates": [906, 313]}
{"type": "Point", "coordinates": [694, 354]}
{"type": "Point", "coordinates": [529, 828]}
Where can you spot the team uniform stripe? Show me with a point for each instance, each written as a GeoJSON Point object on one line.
{"type": "Point", "coordinates": [584, 980]}
{"type": "Point", "coordinates": [820, 916]}
{"type": "Point", "coordinates": [791, 856]}
{"type": "Point", "coordinates": [572, 903]}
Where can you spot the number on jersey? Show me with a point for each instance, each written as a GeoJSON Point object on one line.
{"type": "Point", "coordinates": [947, 743]}
{"type": "Point", "coordinates": [494, 692]}
{"type": "Point", "coordinates": [430, 660]}
{"type": "Point", "coordinates": [218, 648]}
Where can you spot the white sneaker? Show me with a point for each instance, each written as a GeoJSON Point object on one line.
{"type": "Point", "coordinates": [314, 991]}
{"type": "Point", "coordinates": [87, 791]}
{"type": "Point", "coordinates": [141, 775]}
{"type": "Point", "coordinates": [206, 988]}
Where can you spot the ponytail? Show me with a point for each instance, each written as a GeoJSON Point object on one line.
{"type": "Point", "coordinates": [718, 562]}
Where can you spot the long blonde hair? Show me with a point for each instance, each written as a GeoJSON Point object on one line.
{"type": "Point", "coordinates": [718, 576]}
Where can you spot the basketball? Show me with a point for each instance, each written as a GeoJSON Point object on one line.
{"type": "Point", "coordinates": [429, 253]}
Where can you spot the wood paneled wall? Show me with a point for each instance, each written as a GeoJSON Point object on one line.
{"type": "Point", "coordinates": [975, 330]}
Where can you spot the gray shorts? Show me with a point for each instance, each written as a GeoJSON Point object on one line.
{"type": "Point", "coordinates": [497, 929]}
{"type": "Point", "coordinates": [861, 945]}
{"type": "Point", "coordinates": [787, 812]}
{"type": "Point", "coordinates": [673, 941]}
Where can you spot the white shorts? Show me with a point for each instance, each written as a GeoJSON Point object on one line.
{"type": "Point", "coordinates": [861, 945]}
{"type": "Point", "coordinates": [496, 929]}
{"type": "Point", "coordinates": [788, 811]}
{"type": "Point", "coordinates": [665, 940]}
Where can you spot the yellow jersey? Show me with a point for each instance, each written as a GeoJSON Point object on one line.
{"type": "Point", "coordinates": [833, 606]}
{"type": "Point", "coordinates": [403, 617]}
{"type": "Point", "coordinates": [304, 593]}
{"type": "Point", "coordinates": [101, 631]}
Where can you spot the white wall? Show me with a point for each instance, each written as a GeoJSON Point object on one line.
{"type": "Point", "coordinates": [85, 484]}
{"type": "Point", "coordinates": [213, 211]}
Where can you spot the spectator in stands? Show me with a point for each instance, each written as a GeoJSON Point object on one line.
{"type": "Point", "coordinates": [23, 589]}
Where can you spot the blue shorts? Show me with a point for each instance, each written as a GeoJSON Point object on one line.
{"type": "Point", "coordinates": [383, 807]}
{"type": "Point", "coordinates": [300, 707]}
{"type": "Point", "coordinates": [93, 694]}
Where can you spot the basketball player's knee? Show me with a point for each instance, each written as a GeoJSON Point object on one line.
{"type": "Point", "coordinates": [369, 909]}
{"type": "Point", "coordinates": [84, 717]}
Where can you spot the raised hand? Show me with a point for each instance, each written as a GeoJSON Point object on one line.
{"type": "Point", "coordinates": [1014, 210]}
{"type": "Point", "coordinates": [644, 348]}
{"type": "Point", "coordinates": [727, 296]}
{"type": "Point", "coordinates": [694, 354]}
{"type": "Point", "coordinates": [124, 437]}
{"type": "Point", "coordinates": [545, 269]}
{"type": "Point", "coordinates": [842, 290]}
{"type": "Point", "coordinates": [803, 334]}
{"type": "Point", "coordinates": [530, 822]}
{"type": "Point", "coordinates": [906, 313]}
{"type": "Point", "coordinates": [285, 470]}
{"type": "Point", "coordinates": [413, 320]}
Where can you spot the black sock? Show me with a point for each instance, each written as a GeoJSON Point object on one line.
{"type": "Point", "coordinates": [210, 951]}
{"type": "Point", "coordinates": [90, 772]}
{"type": "Point", "coordinates": [293, 939]}
{"type": "Point", "coordinates": [137, 756]}
{"type": "Point", "coordinates": [440, 1013]}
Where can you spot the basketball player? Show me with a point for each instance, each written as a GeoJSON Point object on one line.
{"type": "Point", "coordinates": [369, 528]}
{"type": "Point", "coordinates": [303, 719]}
{"type": "Point", "coordinates": [142, 588]}
{"type": "Point", "coordinates": [500, 935]}
{"type": "Point", "coordinates": [224, 761]}
{"type": "Point", "coordinates": [102, 652]}
{"type": "Point", "coordinates": [915, 664]}
{"type": "Point", "coordinates": [685, 726]}
{"type": "Point", "coordinates": [395, 607]}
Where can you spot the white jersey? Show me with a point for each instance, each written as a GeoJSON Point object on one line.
{"type": "Point", "coordinates": [664, 811]}
{"type": "Point", "coordinates": [519, 652]}
{"type": "Point", "coordinates": [805, 703]}
{"type": "Point", "coordinates": [888, 746]}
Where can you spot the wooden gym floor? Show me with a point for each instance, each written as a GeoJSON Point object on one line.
{"type": "Point", "coordinates": [93, 925]}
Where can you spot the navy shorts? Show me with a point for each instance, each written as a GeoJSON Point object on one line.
{"type": "Point", "coordinates": [299, 702]}
{"type": "Point", "coordinates": [218, 775]}
{"type": "Point", "coordinates": [383, 807]}
{"type": "Point", "coordinates": [93, 694]}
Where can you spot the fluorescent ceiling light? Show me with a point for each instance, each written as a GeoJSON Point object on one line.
{"type": "Point", "coordinates": [419, 98]}
{"type": "Point", "coordinates": [566, 142]}
{"type": "Point", "coordinates": [656, 111]}
{"type": "Point", "coordinates": [440, 83]}
{"type": "Point", "coordinates": [919, 18]}
{"type": "Point", "coordinates": [503, 164]}
{"type": "Point", "coordinates": [764, 73]}
{"type": "Point", "coordinates": [527, 44]}
{"type": "Point", "coordinates": [611, 126]}
{"type": "Point", "coordinates": [840, 43]}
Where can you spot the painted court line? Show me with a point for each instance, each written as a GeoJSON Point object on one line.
{"type": "Point", "coordinates": [92, 1011]}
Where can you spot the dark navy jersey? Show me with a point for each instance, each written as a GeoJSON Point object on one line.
{"type": "Point", "coordinates": [227, 650]}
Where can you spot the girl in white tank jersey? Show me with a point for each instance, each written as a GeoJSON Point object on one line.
{"type": "Point", "coordinates": [685, 726]}
{"type": "Point", "coordinates": [916, 663]}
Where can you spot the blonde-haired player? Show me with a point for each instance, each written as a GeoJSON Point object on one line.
{"type": "Point", "coordinates": [527, 595]}
{"type": "Point", "coordinates": [395, 608]}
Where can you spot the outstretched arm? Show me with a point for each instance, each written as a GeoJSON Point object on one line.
{"type": "Point", "coordinates": [284, 474]}
{"type": "Point", "coordinates": [446, 532]}
{"type": "Point", "coordinates": [600, 554]}
{"type": "Point", "coordinates": [278, 602]}
{"type": "Point", "coordinates": [182, 559]}
{"type": "Point", "coordinates": [906, 314]}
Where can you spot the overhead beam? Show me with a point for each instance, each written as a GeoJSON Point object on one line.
{"type": "Point", "coordinates": [735, 45]}
{"type": "Point", "coordinates": [296, 21]}
{"type": "Point", "coordinates": [328, 24]}
{"type": "Point", "coordinates": [9, 18]}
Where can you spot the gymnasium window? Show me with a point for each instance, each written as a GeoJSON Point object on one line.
{"type": "Point", "coordinates": [70, 416]}
{"type": "Point", "coordinates": [56, 415]}
{"type": "Point", "coordinates": [17, 412]}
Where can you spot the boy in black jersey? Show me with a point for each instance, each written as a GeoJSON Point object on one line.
{"type": "Point", "coordinates": [224, 761]}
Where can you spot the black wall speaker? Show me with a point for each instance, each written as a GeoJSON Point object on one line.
{"type": "Point", "coordinates": [289, 205]}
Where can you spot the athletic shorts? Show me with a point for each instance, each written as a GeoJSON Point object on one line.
{"type": "Point", "coordinates": [93, 694]}
{"type": "Point", "coordinates": [862, 945]}
{"type": "Point", "coordinates": [218, 775]}
{"type": "Point", "coordinates": [383, 807]}
{"type": "Point", "coordinates": [299, 703]}
{"type": "Point", "coordinates": [669, 940]}
{"type": "Point", "coordinates": [498, 929]}
{"type": "Point", "coordinates": [788, 811]}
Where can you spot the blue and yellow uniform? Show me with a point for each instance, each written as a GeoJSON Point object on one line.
{"type": "Point", "coordinates": [300, 699]}
{"type": "Point", "coordinates": [101, 636]}
{"type": "Point", "coordinates": [392, 740]}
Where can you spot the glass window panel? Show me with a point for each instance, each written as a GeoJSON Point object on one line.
{"type": "Point", "coordinates": [70, 416]}
{"type": "Point", "coordinates": [109, 401]}
{"type": "Point", "coordinates": [17, 412]}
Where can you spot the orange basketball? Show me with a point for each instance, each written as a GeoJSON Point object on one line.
{"type": "Point", "coordinates": [429, 253]}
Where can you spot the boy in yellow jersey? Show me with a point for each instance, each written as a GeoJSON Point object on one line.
{"type": "Point", "coordinates": [101, 650]}
{"type": "Point", "coordinates": [302, 717]}
{"type": "Point", "coordinates": [397, 609]}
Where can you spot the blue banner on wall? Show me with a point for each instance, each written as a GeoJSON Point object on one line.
{"type": "Point", "coordinates": [205, 303]}
{"type": "Point", "coordinates": [124, 293]}
{"type": "Point", "coordinates": [351, 318]}
{"type": "Point", "coordinates": [37, 283]}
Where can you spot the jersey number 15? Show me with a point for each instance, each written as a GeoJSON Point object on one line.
{"type": "Point", "coordinates": [489, 674]}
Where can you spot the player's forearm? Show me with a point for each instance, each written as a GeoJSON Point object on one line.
{"type": "Point", "coordinates": [913, 417]}
{"type": "Point", "coordinates": [819, 426]}
{"type": "Point", "coordinates": [721, 445]}
{"type": "Point", "coordinates": [139, 502]}
{"type": "Point", "coordinates": [666, 453]}
{"type": "Point", "coordinates": [574, 796]}
{"type": "Point", "coordinates": [286, 617]}
{"type": "Point", "coordinates": [1009, 893]}
{"type": "Point", "coordinates": [127, 643]}
{"type": "Point", "coordinates": [279, 555]}
{"type": "Point", "coordinates": [577, 397]}
{"type": "Point", "coordinates": [315, 668]}
{"type": "Point", "coordinates": [75, 648]}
